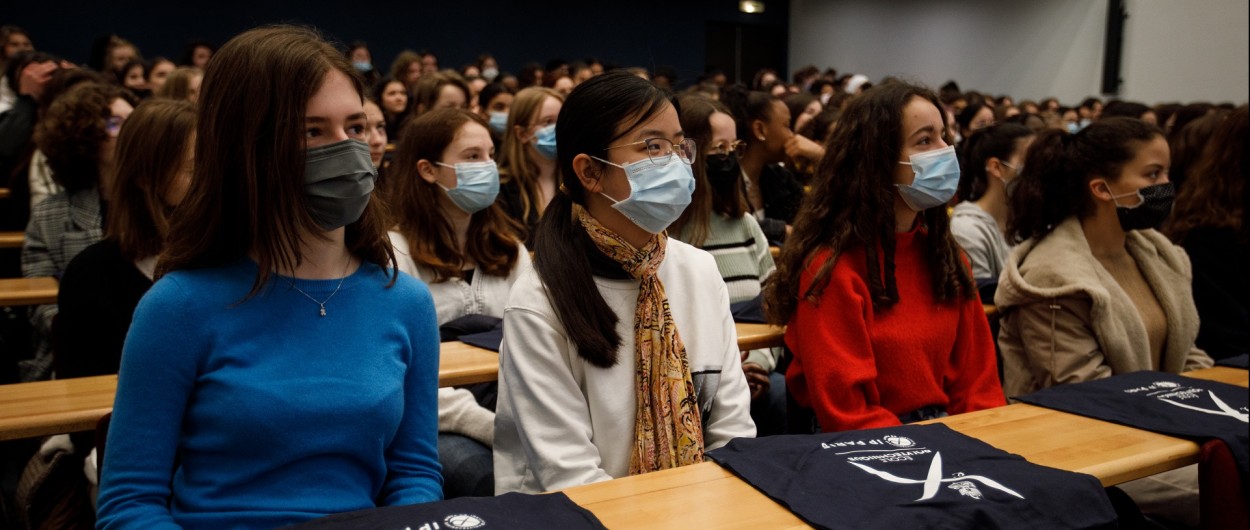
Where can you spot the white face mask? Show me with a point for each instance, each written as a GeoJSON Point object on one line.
{"type": "Point", "coordinates": [658, 193]}
{"type": "Point", "coordinates": [477, 185]}
{"type": "Point", "coordinates": [937, 178]}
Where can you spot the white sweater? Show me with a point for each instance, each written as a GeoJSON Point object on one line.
{"type": "Point", "coordinates": [562, 422]}
{"type": "Point", "coordinates": [458, 410]}
{"type": "Point", "coordinates": [454, 297]}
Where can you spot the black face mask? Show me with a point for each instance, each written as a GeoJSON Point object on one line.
{"type": "Point", "coordinates": [723, 167]}
{"type": "Point", "coordinates": [1151, 211]}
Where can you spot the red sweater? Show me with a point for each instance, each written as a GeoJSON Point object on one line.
{"type": "Point", "coordinates": [858, 368]}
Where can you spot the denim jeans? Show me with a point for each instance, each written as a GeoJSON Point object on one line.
{"type": "Point", "coordinates": [468, 466]}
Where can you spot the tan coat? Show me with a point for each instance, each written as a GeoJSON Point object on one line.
{"type": "Point", "coordinates": [1066, 320]}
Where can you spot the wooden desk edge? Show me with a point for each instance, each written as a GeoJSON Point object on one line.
{"type": "Point", "coordinates": [84, 419]}
{"type": "Point", "coordinates": [767, 336]}
{"type": "Point", "coordinates": [66, 422]}
{"type": "Point", "coordinates": [28, 291]}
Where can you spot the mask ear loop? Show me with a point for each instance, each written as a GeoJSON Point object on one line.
{"type": "Point", "coordinates": [1141, 200]}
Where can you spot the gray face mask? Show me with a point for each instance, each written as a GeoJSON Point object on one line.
{"type": "Point", "coordinates": [338, 179]}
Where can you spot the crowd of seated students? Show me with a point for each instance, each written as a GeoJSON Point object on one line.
{"type": "Point", "coordinates": [272, 278]}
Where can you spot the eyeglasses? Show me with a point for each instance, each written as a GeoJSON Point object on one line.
{"type": "Point", "coordinates": [114, 125]}
{"type": "Point", "coordinates": [725, 148]}
{"type": "Point", "coordinates": [660, 150]}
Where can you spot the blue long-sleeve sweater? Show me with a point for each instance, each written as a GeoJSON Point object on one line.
{"type": "Point", "coordinates": [263, 413]}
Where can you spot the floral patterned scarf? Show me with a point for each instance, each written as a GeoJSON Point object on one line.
{"type": "Point", "coordinates": [668, 429]}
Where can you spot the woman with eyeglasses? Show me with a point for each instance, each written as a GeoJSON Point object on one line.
{"type": "Point", "coordinates": [452, 235]}
{"type": "Point", "coordinates": [717, 221]}
{"type": "Point", "coordinates": [619, 354]}
{"type": "Point", "coordinates": [527, 163]}
{"type": "Point", "coordinates": [881, 311]}
{"type": "Point", "coordinates": [78, 135]}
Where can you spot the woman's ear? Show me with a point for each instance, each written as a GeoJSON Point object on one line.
{"type": "Point", "coordinates": [589, 172]}
{"type": "Point", "coordinates": [994, 168]}
{"type": "Point", "coordinates": [757, 129]}
{"type": "Point", "coordinates": [520, 133]}
{"type": "Point", "coordinates": [428, 171]}
{"type": "Point", "coordinates": [1100, 190]}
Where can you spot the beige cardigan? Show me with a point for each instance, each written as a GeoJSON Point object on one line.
{"type": "Point", "coordinates": [1066, 320]}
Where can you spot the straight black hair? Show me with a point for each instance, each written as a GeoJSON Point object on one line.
{"type": "Point", "coordinates": [996, 141]}
{"type": "Point", "coordinates": [596, 113]}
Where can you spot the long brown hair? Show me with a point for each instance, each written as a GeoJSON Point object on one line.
{"type": "Point", "coordinates": [1215, 194]}
{"type": "Point", "coordinates": [709, 197]}
{"type": "Point", "coordinates": [491, 240]}
{"type": "Point", "coordinates": [514, 160]}
{"type": "Point", "coordinates": [431, 85]}
{"type": "Point", "coordinates": [248, 189]}
{"type": "Point", "coordinates": [150, 152]}
{"type": "Point", "coordinates": [852, 204]}
{"type": "Point", "coordinates": [1188, 146]}
{"type": "Point", "coordinates": [178, 84]}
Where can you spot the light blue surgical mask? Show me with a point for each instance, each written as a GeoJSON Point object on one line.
{"type": "Point", "coordinates": [937, 178]}
{"type": "Point", "coordinates": [498, 122]}
{"type": "Point", "coordinates": [363, 66]}
{"type": "Point", "coordinates": [338, 180]}
{"type": "Point", "coordinates": [657, 193]}
{"type": "Point", "coordinates": [477, 185]}
{"type": "Point", "coordinates": [1073, 127]}
{"type": "Point", "coordinates": [545, 141]}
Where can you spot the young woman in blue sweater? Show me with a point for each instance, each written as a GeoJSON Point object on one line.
{"type": "Point", "coordinates": [277, 371]}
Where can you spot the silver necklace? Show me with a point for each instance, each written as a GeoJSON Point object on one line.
{"type": "Point", "coordinates": [322, 303]}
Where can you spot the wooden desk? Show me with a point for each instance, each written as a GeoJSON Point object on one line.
{"type": "Point", "coordinates": [707, 496]}
{"type": "Point", "coordinates": [12, 239]}
{"type": "Point", "coordinates": [70, 405]}
{"type": "Point", "coordinates": [698, 496]}
{"type": "Point", "coordinates": [991, 311]}
{"type": "Point", "coordinates": [28, 291]}
{"type": "Point", "coordinates": [28, 410]}
{"type": "Point", "coordinates": [756, 336]}
{"type": "Point", "coordinates": [4, 193]}
{"type": "Point", "coordinates": [463, 364]}
{"type": "Point", "coordinates": [1113, 453]}
{"type": "Point", "coordinates": [775, 251]}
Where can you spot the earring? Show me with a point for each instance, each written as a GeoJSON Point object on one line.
{"type": "Point", "coordinates": [761, 138]}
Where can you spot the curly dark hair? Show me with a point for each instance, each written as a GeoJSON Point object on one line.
{"type": "Point", "coordinates": [1188, 144]}
{"type": "Point", "coordinates": [1215, 194]}
{"type": "Point", "coordinates": [73, 130]}
{"type": "Point", "coordinates": [852, 204]}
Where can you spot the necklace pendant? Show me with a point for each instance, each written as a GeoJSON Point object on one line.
{"type": "Point", "coordinates": [323, 310]}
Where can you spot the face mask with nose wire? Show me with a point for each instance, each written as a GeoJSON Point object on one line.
{"type": "Point", "coordinates": [659, 193]}
{"type": "Point", "coordinates": [477, 185]}
{"type": "Point", "coordinates": [937, 178]}
{"type": "Point", "coordinates": [338, 180]}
